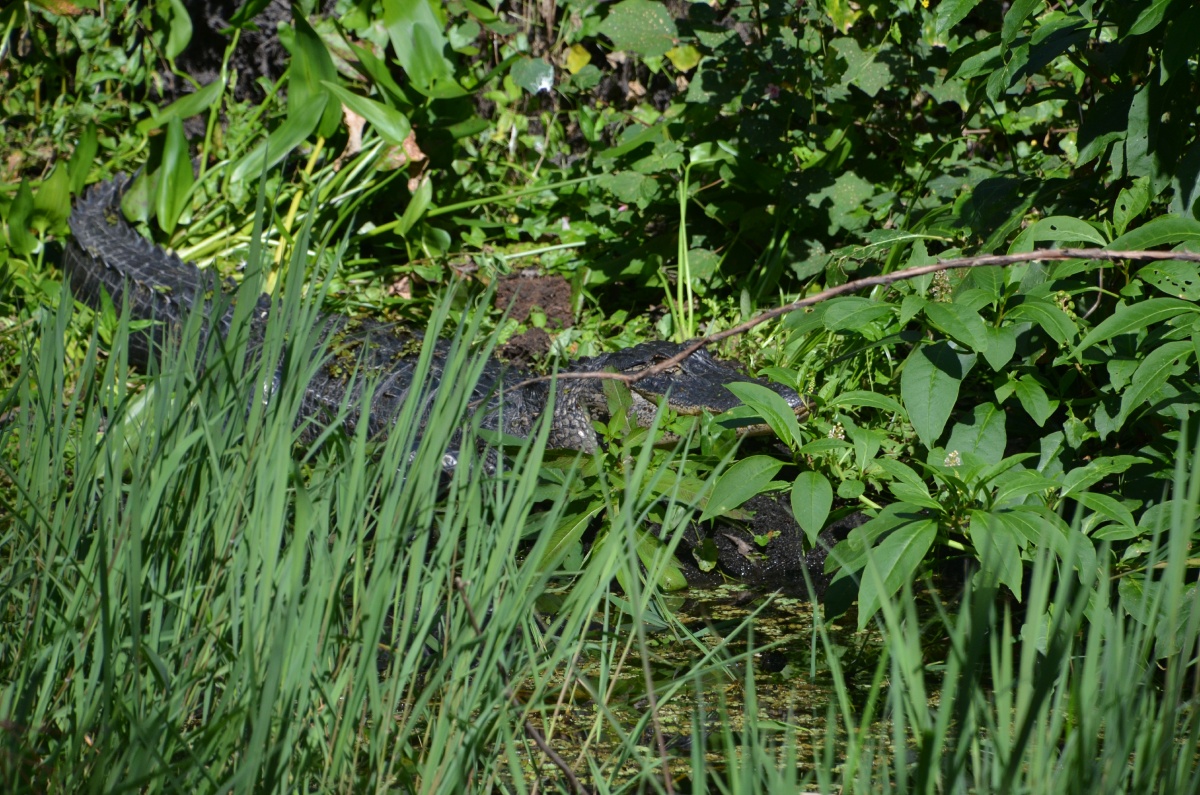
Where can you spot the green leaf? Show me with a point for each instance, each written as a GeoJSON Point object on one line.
{"type": "Point", "coordinates": [1131, 203]}
{"type": "Point", "coordinates": [739, 483]}
{"type": "Point", "coordinates": [1014, 19]}
{"type": "Point", "coordinates": [771, 406]}
{"type": "Point", "coordinates": [20, 212]}
{"type": "Point", "coordinates": [1165, 230]}
{"type": "Point", "coordinates": [915, 497]}
{"type": "Point", "coordinates": [894, 561]}
{"type": "Point", "coordinates": [929, 386]}
{"type": "Point", "coordinates": [984, 435]}
{"type": "Point", "coordinates": [311, 68]}
{"type": "Point", "coordinates": [179, 29]}
{"type": "Point", "coordinates": [1016, 486]}
{"type": "Point", "coordinates": [948, 14]}
{"type": "Point", "coordinates": [1002, 344]}
{"type": "Point", "coordinates": [812, 497]}
{"type": "Point", "coordinates": [857, 398]}
{"type": "Point", "coordinates": [1061, 229]}
{"type": "Point", "coordinates": [1082, 478]}
{"type": "Point", "coordinates": [960, 322]}
{"type": "Point", "coordinates": [418, 205]}
{"type": "Point", "coordinates": [1152, 375]}
{"type": "Point", "coordinates": [1150, 18]}
{"type": "Point", "coordinates": [1175, 278]}
{"type": "Point", "coordinates": [640, 26]}
{"type": "Point", "coordinates": [1108, 507]}
{"type": "Point", "coordinates": [1049, 316]}
{"type": "Point", "coordinates": [862, 70]}
{"type": "Point", "coordinates": [1135, 317]}
{"type": "Point", "coordinates": [853, 312]}
{"type": "Point", "coordinates": [419, 42]}
{"type": "Point", "coordinates": [1034, 399]}
{"type": "Point", "coordinates": [53, 200]}
{"type": "Point", "coordinates": [183, 108]}
{"type": "Point", "coordinates": [534, 75]}
{"type": "Point", "coordinates": [391, 124]}
{"type": "Point", "coordinates": [175, 178]}
{"type": "Point", "coordinates": [654, 556]}
{"type": "Point", "coordinates": [569, 531]}
{"type": "Point", "coordinates": [82, 159]}
{"type": "Point", "coordinates": [998, 545]}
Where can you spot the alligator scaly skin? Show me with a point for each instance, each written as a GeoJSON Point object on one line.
{"type": "Point", "coordinates": [107, 255]}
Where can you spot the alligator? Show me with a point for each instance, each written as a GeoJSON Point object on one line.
{"type": "Point", "coordinates": [106, 255]}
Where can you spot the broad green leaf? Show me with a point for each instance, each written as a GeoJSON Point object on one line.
{"type": "Point", "coordinates": [1135, 317]}
{"type": "Point", "coordinates": [419, 42]}
{"type": "Point", "coordinates": [771, 406]}
{"type": "Point", "coordinates": [534, 75]}
{"type": "Point", "coordinates": [247, 12]}
{"type": "Point", "coordinates": [1152, 374]}
{"type": "Point", "coordinates": [654, 556]}
{"type": "Point", "coordinates": [918, 497]}
{"type": "Point", "coordinates": [894, 562]}
{"type": "Point", "coordinates": [175, 178]}
{"type": "Point", "coordinates": [998, 546]}
{"type": "Point", "coordinates": [858, 398]}
{"type": "Point", "coordinates": [1165, 230]}
{"type": "Point", "coordinates": [823, 445]}
{"type": "Point", "coordinates": [929, 386]}
{"type": "Point", "coordinates": [311, 68]}
{"type": "Point", "coordinates": [1175, 278]}
{"type": "Point", "coordinates": [853, 312]}
{"type": "Point", "coordinates": [960, 322]}
{"type": "Point", "coordinates": [640, 26]}
{"type": "Point", "coordinates": [812, 497]}
{"type": "Point", "coordinates": [179, 29]}
{"type": "Point", "coordinates": [1016, 486]}
{"type": "Point", "coordinates": [948, 14]}
{"type": "Point", "coordinates": [1002, 344]}
{"type": "Point", "coordinates": [20, 213]}
{"type": "Point", "coordinates": [1014, 19]}
{"type": "Point", "coordinates": [862, 70]}
{"type": "Point", "coordinates": [684, 58]}
{"type": "Point", "coordinates": [900, 471]}
{"type": "Point", "coordinates": [739, 483]}
{"type": "Point", "coordinates": [1049, 316]}
{"type": "Point", "coordinates": [183, 108]}
{"type": "Point", "coordinates": [910, 307]}
{"type": "Point", "coordinates": [1108, 507]}
{"type": "Point", "coordinates": [1082, 478]}
{"type": "Point", "coordinates": [53, 200]}
{"type": "Point", "coordinates": [418, 205]}
{"type": "Point", "coordinates": [81, 162]}
{"type": "Point", "coordinates": [374, 68]}
{"type": "Point", "coordinates": [984, 435]}
{"type": "Point", "coordinates": [1150, 18]}
{"type": "Point", "coordinates": [1147, 606]}
{"type": "Point", "coordinates": [1131, 203]}
{"type": "Point", "coordinates": [1061, 229]}
{"type": "Point", "coordinates": [1034, 399]}
{"type": "Point", "coordinates": [391, 124]}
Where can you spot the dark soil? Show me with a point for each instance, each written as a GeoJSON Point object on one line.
{"type": "Point", "coordinates": [520, 296]}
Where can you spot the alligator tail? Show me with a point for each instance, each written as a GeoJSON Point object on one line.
{"type": "Point", "coordinates": [106, 255]}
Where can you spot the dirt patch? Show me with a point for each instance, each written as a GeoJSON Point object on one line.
{"type": "Point", "coordinates": [522, 297]}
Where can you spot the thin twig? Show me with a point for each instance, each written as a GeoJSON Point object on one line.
{"type": "Point", "coordinates": [986, 260]}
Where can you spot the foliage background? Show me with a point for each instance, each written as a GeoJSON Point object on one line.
{"type": "Point", "coordinates": [682, 166]}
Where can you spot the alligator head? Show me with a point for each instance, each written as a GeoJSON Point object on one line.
{"type": "Point", "coordinates": [693, 386]}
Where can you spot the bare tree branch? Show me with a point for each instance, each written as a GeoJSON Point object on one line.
{"type": "Point", "coordinates": [987, 260]}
